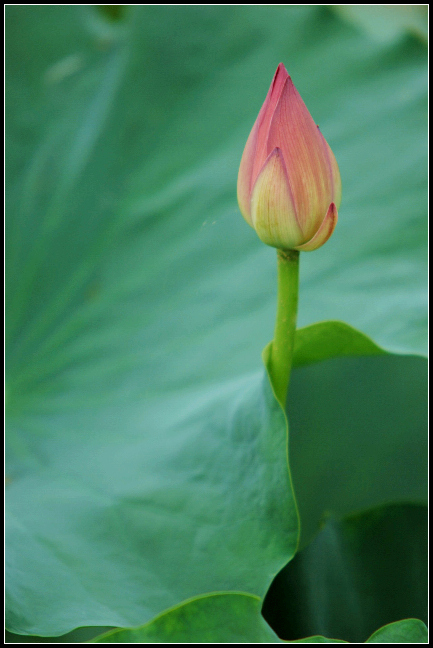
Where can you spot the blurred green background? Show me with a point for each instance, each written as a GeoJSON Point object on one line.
{"type": "Point", "coordinates": [137, 295]}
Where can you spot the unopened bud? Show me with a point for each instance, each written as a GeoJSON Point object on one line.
{"type": "Point", "coordinates": [289, 185]}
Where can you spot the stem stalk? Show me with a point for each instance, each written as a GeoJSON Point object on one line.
{"type": "Point", "coordinates": [284, 337]}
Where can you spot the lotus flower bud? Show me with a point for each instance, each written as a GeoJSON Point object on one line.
{"type": "Point", "coordinates": [289, 185]}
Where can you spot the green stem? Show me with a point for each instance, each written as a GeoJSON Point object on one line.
{"type": "Point", "coordinates": [284, 337]}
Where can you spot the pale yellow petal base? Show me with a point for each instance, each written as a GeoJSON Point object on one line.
{"type": "Point", "coordinates": [272, 209]}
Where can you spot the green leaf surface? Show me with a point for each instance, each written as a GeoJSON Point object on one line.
{"type": "Point", "coordinates": [131, 525]}
{"type": "Point", "coordinates": [317, 639]}
{"type": "Point", "coordinates": [356, 576]}
{"type": "Point", "coordinates": [358, 435]}
{"type": "Point", "coordinates": [138, 300]}
{"type": "Point", "coordinates": [79, 635]}
{"type": "Point", "coordinates": [405, 631]}
{"type": "Point", "coordinates": [231, 617]}
{"type": "Point", "coordinates": [325, 340]}
{"type": "Point", "coordinates": [387, 22]}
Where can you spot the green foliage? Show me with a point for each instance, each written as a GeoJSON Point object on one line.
{"type": "Point", "coordinates": [326, 340]}
{"type": "Point", "coordinates": [405, 631]}
{"type": "Point", "coordinates": [357, 575]}
{"type": "Point", "coordinates": [218, 618]}
{"type": "Point", "coordinates": [209, 502]}
{"type": "Point", "coordinates": [79, 635]}
{"type": "Point", "coordinates": [112, 12]}
{"type": "Point", "coordinates": [147, 458]}
{"type": "Point", "coordinates": [357, 435]}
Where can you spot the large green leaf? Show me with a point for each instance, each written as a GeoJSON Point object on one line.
{"type": "Point", "coordinates": [356, 576]}
{"type": "Point", "coordinates": [358, 435]}
{"type": "Point", "coordinates": [126, 526]}
{"type": "Point", "coordinates": [139, 301]}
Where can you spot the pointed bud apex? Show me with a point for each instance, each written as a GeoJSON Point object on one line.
{"type": "Point", "coordinates": [289, 185]}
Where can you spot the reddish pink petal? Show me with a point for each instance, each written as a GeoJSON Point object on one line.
{"type": "Point", "coordinates": [294, 131]}
{"type": "Point", "coordinates": [255, 153]}
{"type": "Point", "coordinates": [245, 175]}
{"type": "Point", "coordinates": [334, 172]}
{"type": "Point", "coordinates": [323, 233]}
{"type": "Point", "coordinates": [265, 117]}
